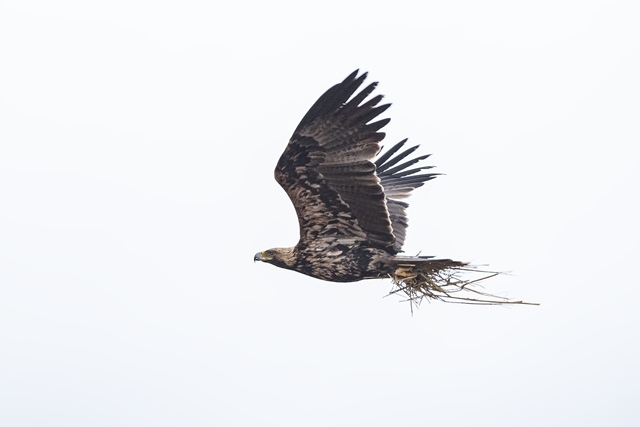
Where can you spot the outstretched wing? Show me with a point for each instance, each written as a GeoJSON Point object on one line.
{"type": "Point", "coordinates": [398, 181]}
{"type": "Point", "coordinates": [327, 171]}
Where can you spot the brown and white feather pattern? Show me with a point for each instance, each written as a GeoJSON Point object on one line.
{"type": "Point", "coordinates": [328, 164]}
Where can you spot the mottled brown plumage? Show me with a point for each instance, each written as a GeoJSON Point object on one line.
{"type": "Point", "coordinates": [350, 210]}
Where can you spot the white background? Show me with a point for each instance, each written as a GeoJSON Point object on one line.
{"type": "Point", "coordinates": [137, 147]}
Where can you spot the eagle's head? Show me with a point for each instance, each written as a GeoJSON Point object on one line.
{"type": "Point", "coordinates": [281, 257]}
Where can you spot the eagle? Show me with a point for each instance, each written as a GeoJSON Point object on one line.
{"type": "Point", "coordinates": [350, 200]}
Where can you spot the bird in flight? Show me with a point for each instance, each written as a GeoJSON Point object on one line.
{"type": "Point", "coordinates": [351, 204]}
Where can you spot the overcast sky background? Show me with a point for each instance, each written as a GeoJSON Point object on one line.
{"type": "Point", "coordinates": [137, 147]}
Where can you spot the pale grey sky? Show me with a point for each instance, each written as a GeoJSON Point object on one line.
{"type": "Point", "coordinates": [137, 147]}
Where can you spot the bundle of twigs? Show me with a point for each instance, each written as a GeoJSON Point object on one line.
{"type": "Point", "coordinates": [441, 279]}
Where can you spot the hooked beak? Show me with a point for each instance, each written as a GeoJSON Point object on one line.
{"type": "Point", "coordinates": [262, 256]}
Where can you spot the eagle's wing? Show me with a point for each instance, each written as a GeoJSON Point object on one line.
{"type": "Point", "coordinates": [398, 181]}
{"type": "Point", "coordinates": [327, 168]}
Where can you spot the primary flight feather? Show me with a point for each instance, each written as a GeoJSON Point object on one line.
{"type": "Point", "coordinates": [350, 205]}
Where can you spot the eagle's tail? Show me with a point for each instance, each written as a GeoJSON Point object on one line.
{"type": "Point", "coordinates": [441, 279]}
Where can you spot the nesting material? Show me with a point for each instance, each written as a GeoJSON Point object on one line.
{"type": "Point", "coordinates": [445, 280]}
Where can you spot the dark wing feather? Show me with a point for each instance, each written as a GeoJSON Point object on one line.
{"type": "Point", "coordinates": [398, 182]}
{"type": "Point", "coordinates": [327, 168]}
